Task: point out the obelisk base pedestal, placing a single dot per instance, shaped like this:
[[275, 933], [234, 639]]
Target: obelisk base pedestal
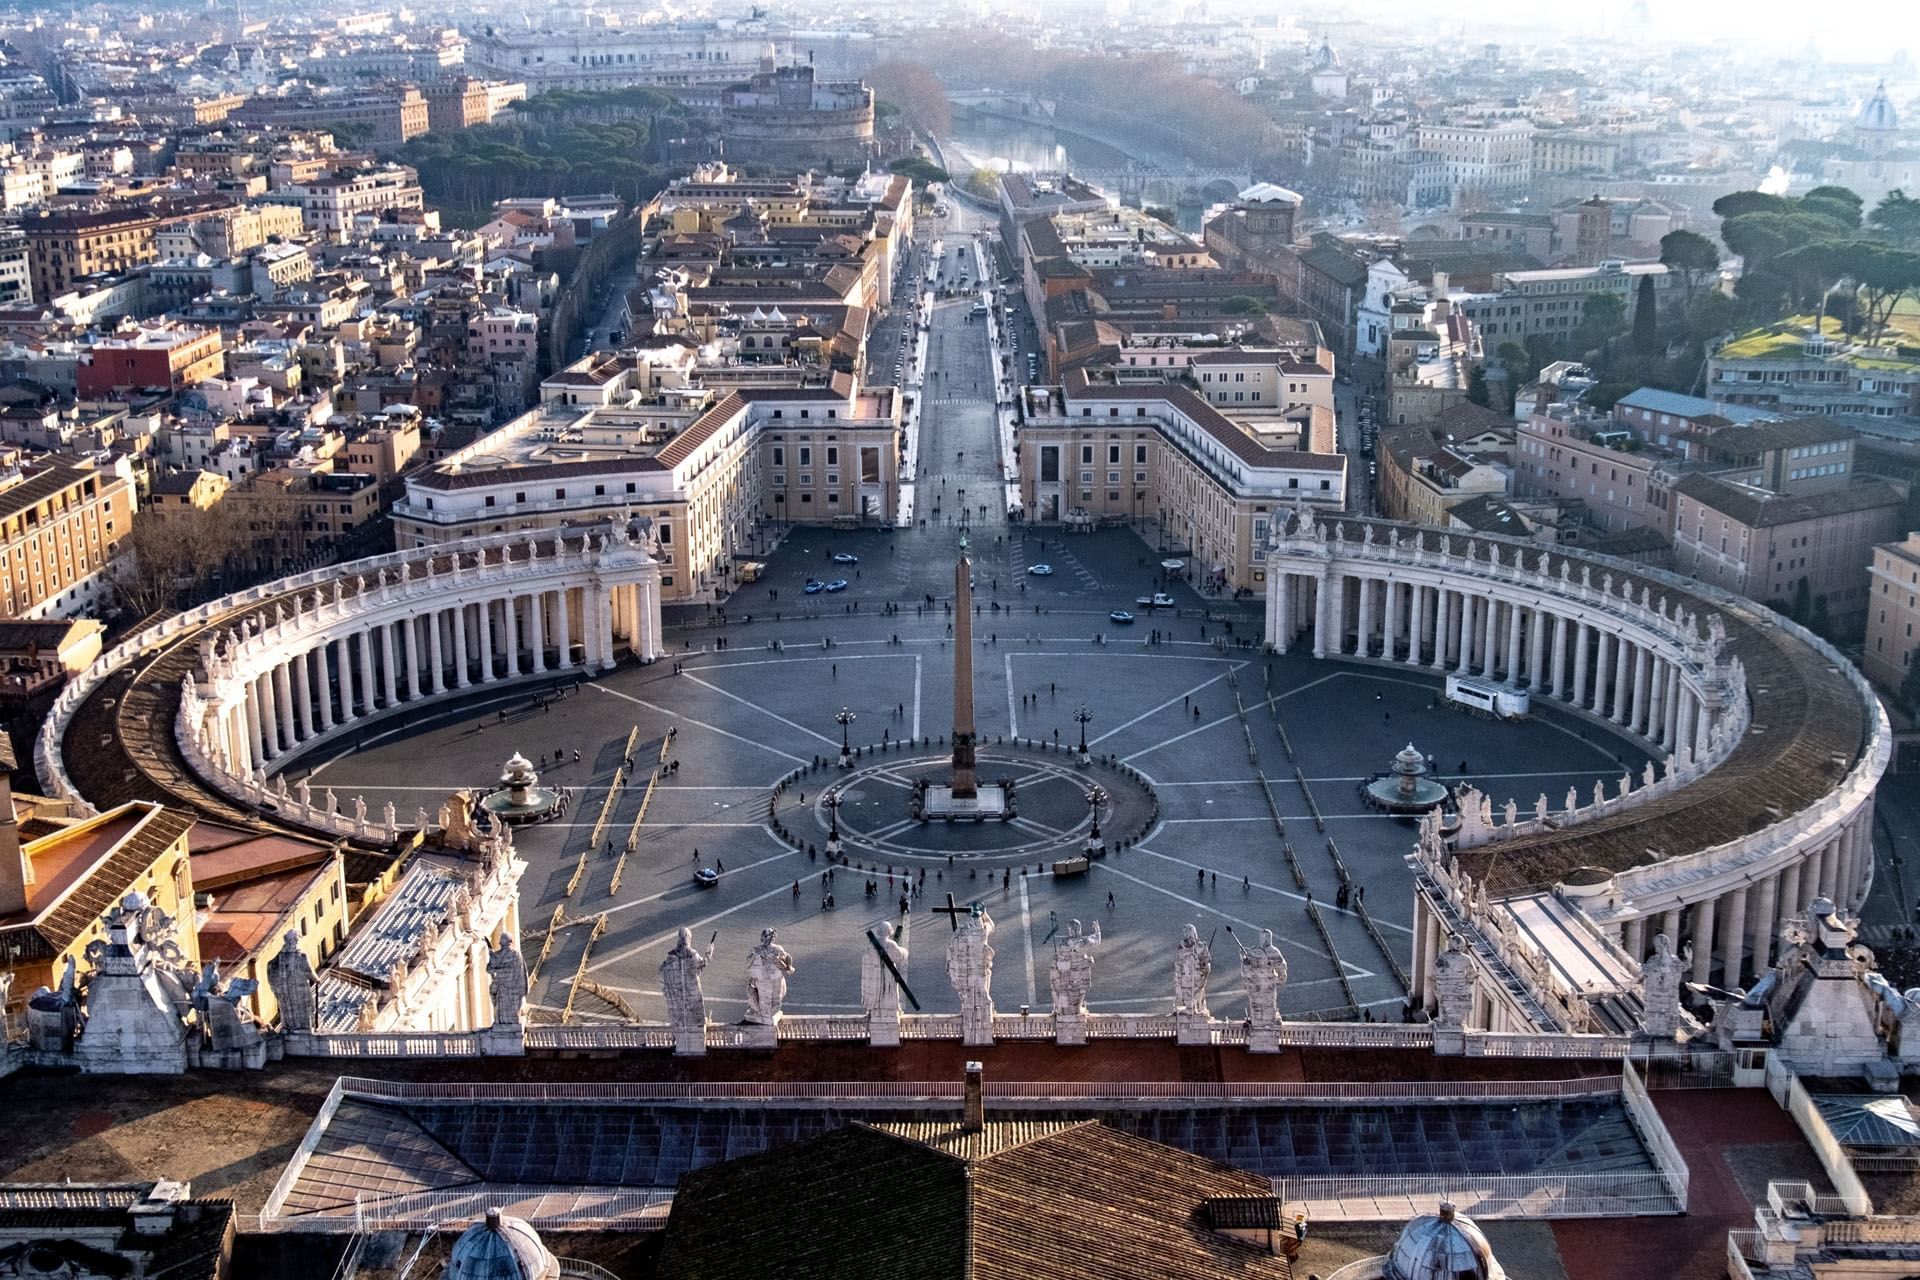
[[988, 801]]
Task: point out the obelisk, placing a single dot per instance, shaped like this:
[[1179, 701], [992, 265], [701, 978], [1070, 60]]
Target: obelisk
[[964, 782]]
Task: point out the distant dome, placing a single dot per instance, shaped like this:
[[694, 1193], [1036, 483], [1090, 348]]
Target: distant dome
[[1878, 115], [500, 1248], [1443, 1246], [1324, 58]]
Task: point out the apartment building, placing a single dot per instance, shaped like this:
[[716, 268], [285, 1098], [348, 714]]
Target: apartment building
[[59, 525], [65, 245], [1765, 545], [1481, 155], [1554, 301], [1557, 152], [1893, 610], [329, 204], [165, 357]]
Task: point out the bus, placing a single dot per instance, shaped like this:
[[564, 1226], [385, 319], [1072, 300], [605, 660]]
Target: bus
[[1487, 698]]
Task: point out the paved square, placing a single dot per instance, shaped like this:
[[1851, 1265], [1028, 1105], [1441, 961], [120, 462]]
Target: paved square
[[748, 714]]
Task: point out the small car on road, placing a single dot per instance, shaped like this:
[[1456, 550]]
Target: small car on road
[[838, 584], [1120, 615], [1040, 570], [843, 557]]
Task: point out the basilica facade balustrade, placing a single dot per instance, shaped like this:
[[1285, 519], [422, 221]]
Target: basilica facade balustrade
[[1768, 744], [267, 675]]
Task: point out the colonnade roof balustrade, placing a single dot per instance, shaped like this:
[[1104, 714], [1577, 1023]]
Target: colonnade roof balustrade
[[1816, 728], [112, 734]]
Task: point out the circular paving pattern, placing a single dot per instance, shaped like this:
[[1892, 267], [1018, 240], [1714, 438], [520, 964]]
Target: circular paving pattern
[[1052, 817]]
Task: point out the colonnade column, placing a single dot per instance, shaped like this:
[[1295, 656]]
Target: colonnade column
[[1490, 638], [386, 661], [1733, 938], [486, 642], [1280, 624], [1513, 643], [1537, 651], [1703, 941], [1560, 656], [283, 703], [1582, 638], [1622, 662], [1416, 624], [255, 737], [1442, 619], [460, 677], [325, 689], [1338, 619], [1634, 940], [1790, 903], [302, 676], [1468, 606], [510, 619], [1602, 677], [366, 669], [436, 656], [1763, 922], [563, 626], [1638, 719], [1391, 649], [1363, 643], [537, 608]]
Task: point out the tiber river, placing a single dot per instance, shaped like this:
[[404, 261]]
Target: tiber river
[[977, 141]]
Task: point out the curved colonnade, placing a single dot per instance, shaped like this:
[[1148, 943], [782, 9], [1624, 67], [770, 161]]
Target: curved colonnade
[[1770, 742], [208, 705]]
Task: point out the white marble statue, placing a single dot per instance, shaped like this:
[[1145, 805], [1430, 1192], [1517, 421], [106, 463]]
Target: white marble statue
[[507, 975], [1660, 978], [1192, 965], [767, 968], [290, 978], [1453, 984], [1072, 975], [1263, 968], [680, 982], [970, 965], [880, 990]]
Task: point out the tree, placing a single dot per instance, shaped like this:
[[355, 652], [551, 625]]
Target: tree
[[1835, 202], [1601, 319], [923, 172], [1690, 256], [917, 92], [984, 182], [1243, 304], [1519, 363], [1646, 330], [1169, 216], [1897, 216], [1477, 387]]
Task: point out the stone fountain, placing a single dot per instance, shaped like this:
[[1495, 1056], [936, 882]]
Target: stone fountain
[[520, 797], [1405, 787]]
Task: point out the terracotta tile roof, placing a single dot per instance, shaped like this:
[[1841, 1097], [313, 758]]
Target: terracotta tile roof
[[1083, 1202], [1216, 424]]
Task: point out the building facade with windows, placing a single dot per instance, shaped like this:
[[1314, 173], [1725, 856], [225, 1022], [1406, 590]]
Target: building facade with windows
[[1161, 455], [59, 525], [617, 434], [1893, 611]]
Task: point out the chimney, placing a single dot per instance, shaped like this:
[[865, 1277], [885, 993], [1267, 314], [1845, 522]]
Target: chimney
[[15, 872], [974, 1118]]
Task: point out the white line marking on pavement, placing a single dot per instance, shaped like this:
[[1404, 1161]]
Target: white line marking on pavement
[[1353, 970], [1326, 908], [1163, 706], [771, 715], [655, 707]]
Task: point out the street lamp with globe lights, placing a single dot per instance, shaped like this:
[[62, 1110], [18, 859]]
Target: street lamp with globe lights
[[1096, 796], [1082, 716], [845, 718], [832, 803]]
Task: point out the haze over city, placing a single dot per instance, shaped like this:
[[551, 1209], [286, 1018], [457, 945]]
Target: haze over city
[[1021, 641]]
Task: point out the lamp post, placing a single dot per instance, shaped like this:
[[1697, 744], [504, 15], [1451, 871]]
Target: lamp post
[[844, 718], [832, 803], [1082, 716], [1096, 796]]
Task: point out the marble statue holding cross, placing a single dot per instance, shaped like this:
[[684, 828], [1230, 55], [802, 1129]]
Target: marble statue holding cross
[[1192, 965], [879, 989]]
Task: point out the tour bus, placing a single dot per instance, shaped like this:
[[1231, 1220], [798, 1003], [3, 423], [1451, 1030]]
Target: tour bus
[[1501, 701]]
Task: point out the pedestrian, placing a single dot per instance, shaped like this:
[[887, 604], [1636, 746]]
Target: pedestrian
[[1109, 899], [719, 865], [1246, 884], [576, 755]]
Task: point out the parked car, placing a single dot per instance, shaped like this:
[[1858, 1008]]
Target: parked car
[[842, 557], [1158, 600], [814, 588], [838, 584], [1121, 616], [1040, 570]]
